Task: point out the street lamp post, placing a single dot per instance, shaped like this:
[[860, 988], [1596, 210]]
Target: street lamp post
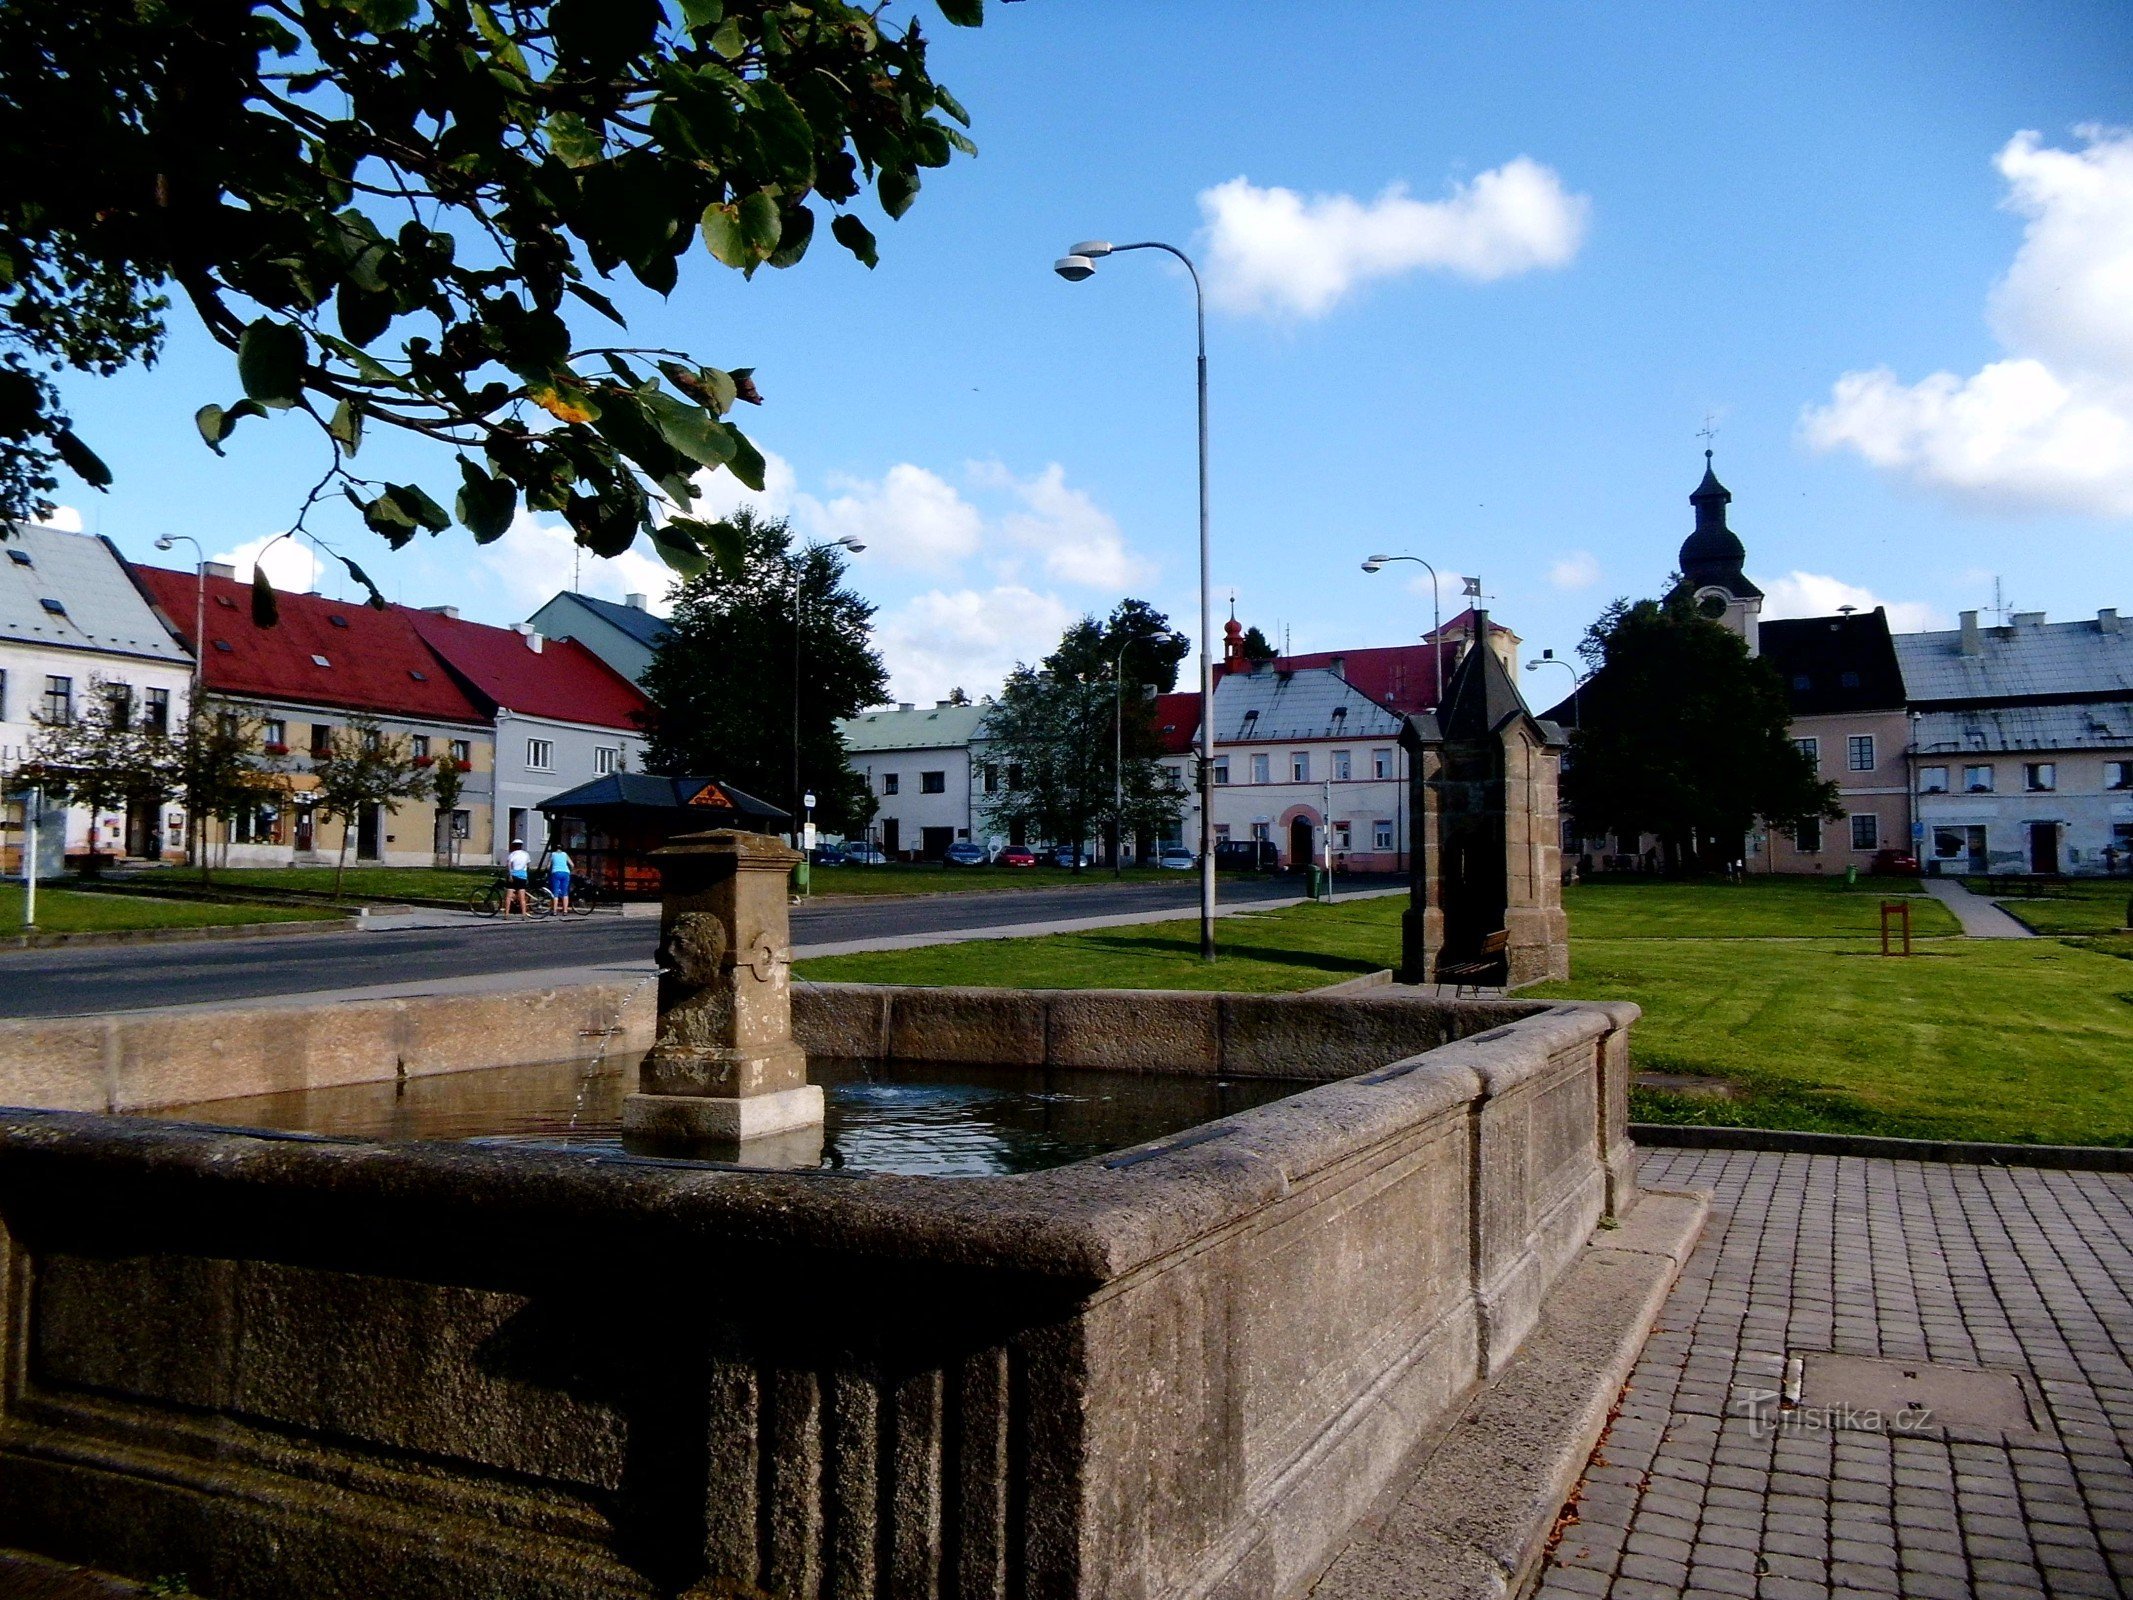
[[1118, 758], [1436, 615], [846, 543], [1548, 658], [1076, 266], [170, 541]]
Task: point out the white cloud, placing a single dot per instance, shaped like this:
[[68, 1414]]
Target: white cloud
[[536, 556], [1276, 251], [1077, 541], [64, 518], [1812, 594], [720, 494], [1578, 570], [968, 639], [291, 564], [2052, 424], [909, 518]]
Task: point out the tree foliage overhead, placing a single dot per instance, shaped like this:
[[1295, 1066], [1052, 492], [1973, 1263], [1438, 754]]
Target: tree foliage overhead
[[1685, 736], [721, 679], [393, 214]]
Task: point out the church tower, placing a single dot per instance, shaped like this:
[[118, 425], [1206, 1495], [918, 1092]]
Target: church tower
[[1711, 560]]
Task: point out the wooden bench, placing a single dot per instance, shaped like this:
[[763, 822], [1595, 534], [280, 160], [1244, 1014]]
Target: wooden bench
[[1488, 970]]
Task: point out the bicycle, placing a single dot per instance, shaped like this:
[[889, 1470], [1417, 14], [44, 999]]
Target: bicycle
[[489, 901]]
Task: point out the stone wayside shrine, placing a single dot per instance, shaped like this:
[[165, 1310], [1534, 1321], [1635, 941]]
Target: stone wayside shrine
[[1487, 845], [725, 1069]]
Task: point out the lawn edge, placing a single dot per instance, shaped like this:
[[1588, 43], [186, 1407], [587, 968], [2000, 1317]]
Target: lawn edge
[[1961, 1152]]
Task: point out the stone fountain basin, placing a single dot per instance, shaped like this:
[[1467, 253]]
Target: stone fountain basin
[[289, 1365]]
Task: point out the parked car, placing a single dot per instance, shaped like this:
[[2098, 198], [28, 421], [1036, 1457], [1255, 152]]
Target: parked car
[[1177, 858], [1247, 855], [828, 855], [1018, 855], [1065, 856], [964, 853], [1895, 863], [861, 854]]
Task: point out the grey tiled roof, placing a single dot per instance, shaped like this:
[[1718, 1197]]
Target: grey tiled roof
[[642, 626], [100, 606], [1303, 704], [2106, 725], [2025, 660], [921, 728]]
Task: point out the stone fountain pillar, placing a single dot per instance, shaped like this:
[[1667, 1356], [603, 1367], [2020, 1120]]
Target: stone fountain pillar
[[725, 1069]]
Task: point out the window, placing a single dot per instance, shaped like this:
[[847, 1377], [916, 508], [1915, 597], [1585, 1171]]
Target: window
[[372, 740], [321, 739], [540, 754], [607, 758], [1014, 777], [419, 745], [274, 731], [1342, 767], [1866, 831], [992, 778], [1810, 748], [1342, 836], [55, 607], [21, 558], [1977, 780], [1807, 837], [2038, 776], [1932, 780], [320, 661], [462, 824], [1300, 766], [463, 752], [2118, 774], [338, 621], [3, 697], [933, 783], [1381, 835], [1859, 752], [156, 719], [1381, 763], [1262, 830], [58, 700], [1262, 769], [891, 782], [1221, 769], [118, 704]]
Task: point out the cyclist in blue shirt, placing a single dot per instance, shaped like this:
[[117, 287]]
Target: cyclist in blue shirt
[[559, 878]]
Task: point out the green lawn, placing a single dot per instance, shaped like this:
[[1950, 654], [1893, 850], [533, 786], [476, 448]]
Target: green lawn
[[62, 911], [2095, 905], [362, 883], [1776, 987], [930, 877]]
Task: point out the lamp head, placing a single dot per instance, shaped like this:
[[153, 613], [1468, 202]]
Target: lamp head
[[1094, 249], [851, 544], [1374, 564], [166, 542], [1074, 269]]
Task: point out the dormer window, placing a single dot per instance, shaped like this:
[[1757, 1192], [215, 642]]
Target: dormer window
[[338, 622], [320, 661], [21, 558], [419, 677], [55, 607], [226, 602], [223, 645]]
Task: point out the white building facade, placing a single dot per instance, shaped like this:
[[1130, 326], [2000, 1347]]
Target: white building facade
[[926, 769]]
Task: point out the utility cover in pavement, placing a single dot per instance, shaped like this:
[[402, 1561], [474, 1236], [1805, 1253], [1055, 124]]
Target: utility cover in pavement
[[1923, 1395]]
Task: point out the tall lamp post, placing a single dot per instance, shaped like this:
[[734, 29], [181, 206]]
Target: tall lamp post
[[171, 541], [799, 563], [1436, 615], [1548, 658], [1076, 266]]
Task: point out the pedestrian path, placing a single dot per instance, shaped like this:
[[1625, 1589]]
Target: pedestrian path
[[1709, 1483], [1980, 918]]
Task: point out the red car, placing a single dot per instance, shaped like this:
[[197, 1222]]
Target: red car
[[1018, 855], [1895, 863]]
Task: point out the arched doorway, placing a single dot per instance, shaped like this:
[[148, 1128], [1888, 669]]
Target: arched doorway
[[1300, 832]]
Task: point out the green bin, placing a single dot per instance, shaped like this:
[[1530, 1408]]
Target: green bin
[[800, 876], [1318, 883], [1851, 876]]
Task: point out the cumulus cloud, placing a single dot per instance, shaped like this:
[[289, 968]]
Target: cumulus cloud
[[536, 555], [1578, 570], [64, 518], [1812, 594], [910, 517], [966, 638], [2052, 424], [291, 564], [1074, 539], [1278, 252], [720, 494]]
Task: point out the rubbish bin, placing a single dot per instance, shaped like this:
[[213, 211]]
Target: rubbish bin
[[1851, 876], [1318, 883], [800, 876]]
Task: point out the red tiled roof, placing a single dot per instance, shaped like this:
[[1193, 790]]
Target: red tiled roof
[[376, 662], [563, 679], [1177, 721], [1401, 676]]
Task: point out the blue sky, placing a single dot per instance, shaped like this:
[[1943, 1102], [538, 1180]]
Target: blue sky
[[1609, 224]]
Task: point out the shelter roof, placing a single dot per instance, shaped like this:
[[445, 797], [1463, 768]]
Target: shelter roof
[[655, 794], [322, 652], [98, 605], [500, 668]]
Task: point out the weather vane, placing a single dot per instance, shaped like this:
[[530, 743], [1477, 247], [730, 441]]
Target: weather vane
[[1708, 431]]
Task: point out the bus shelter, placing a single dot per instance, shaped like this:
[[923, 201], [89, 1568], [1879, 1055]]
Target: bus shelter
[[612, 825]]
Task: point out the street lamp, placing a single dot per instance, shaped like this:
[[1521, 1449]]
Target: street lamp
[[1548, 658], [171, 541], [1436, 616], [1077, 266], [846, 543]]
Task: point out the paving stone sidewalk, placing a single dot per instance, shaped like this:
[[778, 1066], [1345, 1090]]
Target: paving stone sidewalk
[[1693, 1492]]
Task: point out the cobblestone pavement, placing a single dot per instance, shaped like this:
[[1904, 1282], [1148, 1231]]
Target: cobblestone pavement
[[1696, 1491]]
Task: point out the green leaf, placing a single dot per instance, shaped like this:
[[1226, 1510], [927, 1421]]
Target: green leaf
[[418, 507], [722, 235], [500, 43], [376, 600], [788, 140], [964, 13], [368, 366], [796, 229], [266, 605], [270, 363], [363, 316], [707, 386], [215, 422], [691, 430], [728, 41], [759, 224], [575, 143], [950, 104], [697, 14], [485, 503], [855, 236], [679, 552], [347, 427], [747, 463], [598, 301], [897, 189], [728, 546], [84, 462]]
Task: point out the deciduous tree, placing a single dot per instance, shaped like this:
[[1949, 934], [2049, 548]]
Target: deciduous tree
[[104, 757], [363, 766]]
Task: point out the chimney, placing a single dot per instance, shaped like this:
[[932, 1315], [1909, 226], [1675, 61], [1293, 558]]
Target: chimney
[[531, 634], [1973, 642], [2107, 620], [906, 705], [218, 569], [2029, 619], [444, 611], [636, 602]]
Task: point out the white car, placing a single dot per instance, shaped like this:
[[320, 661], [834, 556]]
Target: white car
[[865, 855], [1176, 858]]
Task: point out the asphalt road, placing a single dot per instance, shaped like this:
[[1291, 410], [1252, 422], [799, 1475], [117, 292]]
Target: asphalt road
[[92, 978]]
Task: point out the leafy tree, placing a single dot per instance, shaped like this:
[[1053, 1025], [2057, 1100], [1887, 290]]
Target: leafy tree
[[722, 682], [1255, 646], [390, 211], [223, 768], [363, 766], [105, 758], [447, 783], [1685, 737], [1058, 731]]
